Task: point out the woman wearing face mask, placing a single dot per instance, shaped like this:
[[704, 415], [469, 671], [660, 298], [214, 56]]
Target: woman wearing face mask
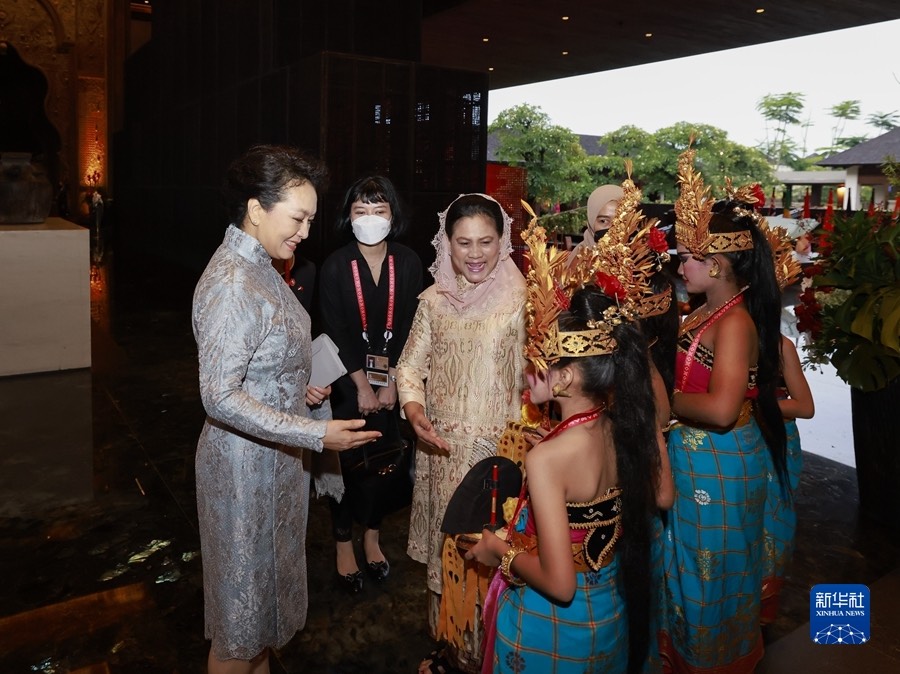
[[368, 293], [601, 207], [460, 377]]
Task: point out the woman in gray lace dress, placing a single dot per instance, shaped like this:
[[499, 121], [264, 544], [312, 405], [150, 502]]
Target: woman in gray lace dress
[[255, 453]]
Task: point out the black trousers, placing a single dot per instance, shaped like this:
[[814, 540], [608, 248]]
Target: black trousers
[[386, 421]]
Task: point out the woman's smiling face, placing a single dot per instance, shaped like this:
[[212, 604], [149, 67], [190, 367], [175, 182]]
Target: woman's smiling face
[[286, 224], [474, 247]]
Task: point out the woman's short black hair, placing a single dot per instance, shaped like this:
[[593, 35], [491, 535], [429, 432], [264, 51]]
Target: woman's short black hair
[[372, 190], [266, 172], [471, 205]]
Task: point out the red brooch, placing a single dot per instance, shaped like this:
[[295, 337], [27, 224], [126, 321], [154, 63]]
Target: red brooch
[[610, 285]]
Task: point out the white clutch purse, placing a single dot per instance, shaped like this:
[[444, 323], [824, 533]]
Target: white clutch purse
[[326, 364]]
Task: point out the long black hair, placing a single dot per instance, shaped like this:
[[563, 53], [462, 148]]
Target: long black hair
[[661, 332], [756, 269], [622, 381]]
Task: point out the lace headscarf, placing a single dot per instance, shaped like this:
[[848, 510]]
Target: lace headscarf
[[598, 199], [458, 291]]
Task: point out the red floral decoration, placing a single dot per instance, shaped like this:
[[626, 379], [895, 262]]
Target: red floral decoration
[[657, 240], [760, 196], [809, 313], [610, 285]]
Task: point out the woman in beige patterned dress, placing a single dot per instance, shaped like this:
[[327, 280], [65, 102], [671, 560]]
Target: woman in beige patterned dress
[[460, 378]]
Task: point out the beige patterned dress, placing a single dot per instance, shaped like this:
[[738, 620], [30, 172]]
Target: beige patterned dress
[[466, 369]]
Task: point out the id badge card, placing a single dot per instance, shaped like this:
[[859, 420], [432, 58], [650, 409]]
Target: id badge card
[[377, 370]]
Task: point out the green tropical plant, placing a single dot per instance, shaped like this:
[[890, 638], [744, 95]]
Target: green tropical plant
[[843, 112], [782, 111], [851, 309], [884, 121]]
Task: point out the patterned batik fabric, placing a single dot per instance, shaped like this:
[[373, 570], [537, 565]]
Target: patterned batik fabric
[[253, 458], [465, 367], [466, 370], [590, 634], [713, 550], [780, 523]]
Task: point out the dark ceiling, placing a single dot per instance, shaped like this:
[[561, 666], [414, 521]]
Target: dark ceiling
[[526, 38]]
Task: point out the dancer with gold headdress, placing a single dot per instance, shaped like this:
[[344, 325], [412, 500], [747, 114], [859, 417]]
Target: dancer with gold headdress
[[796, 402], [572, 592], [726, 372], [460, 378]]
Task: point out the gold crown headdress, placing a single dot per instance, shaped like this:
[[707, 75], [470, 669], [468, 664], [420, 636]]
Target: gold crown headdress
[[550, 283], [632, 251], [693, 211], [787, 267], [621, 265]]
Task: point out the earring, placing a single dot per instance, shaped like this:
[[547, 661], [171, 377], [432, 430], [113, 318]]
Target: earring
[[714, 270], [559, 392]]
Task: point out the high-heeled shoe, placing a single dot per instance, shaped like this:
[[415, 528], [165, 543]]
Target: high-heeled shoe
[[351, 582], [379, 570]]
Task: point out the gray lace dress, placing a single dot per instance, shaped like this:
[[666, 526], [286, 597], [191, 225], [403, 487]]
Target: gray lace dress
[[253, 458]]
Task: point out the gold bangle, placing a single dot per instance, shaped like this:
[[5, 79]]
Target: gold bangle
[[506, 562]]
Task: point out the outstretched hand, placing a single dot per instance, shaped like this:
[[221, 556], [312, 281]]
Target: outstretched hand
[[423, 427], [342, 434]]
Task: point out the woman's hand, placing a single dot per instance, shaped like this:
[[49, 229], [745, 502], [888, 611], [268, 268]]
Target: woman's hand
[[341, 434], [534, 435], [315, 395], [489, 550], [415, 414], [367, 400], [387, 396]]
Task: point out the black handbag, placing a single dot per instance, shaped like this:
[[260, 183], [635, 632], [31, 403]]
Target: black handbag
[[380, 482]]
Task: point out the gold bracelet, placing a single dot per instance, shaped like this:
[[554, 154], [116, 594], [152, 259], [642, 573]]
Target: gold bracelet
[[505, 563]]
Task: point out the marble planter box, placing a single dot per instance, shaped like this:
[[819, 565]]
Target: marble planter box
[[45, 302]]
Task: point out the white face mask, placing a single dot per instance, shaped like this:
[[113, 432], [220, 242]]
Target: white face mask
[[370, 229]]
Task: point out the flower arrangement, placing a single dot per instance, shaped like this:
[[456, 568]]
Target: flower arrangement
[[850, 304]]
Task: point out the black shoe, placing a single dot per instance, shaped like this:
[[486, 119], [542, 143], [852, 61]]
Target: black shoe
[[351, 582], [379, 570]]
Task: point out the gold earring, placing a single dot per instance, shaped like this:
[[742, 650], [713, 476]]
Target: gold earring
[[714, 270], [559, 392]]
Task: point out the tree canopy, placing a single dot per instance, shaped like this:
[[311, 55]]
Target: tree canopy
[[655, 158], [560, 171], [556, 163]]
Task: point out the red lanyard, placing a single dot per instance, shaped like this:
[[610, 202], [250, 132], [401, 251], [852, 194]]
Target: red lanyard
[[389, 323], [689, 359]]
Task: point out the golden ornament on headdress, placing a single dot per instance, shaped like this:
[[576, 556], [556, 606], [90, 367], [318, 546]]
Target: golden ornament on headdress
[[627, 254], [787, 267], [551, 282], [621, 264], [693, 211]]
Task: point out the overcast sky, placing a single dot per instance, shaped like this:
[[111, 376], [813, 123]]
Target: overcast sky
[[865, 68]]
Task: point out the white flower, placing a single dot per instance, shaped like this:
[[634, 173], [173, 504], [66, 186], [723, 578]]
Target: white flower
[[701, 496]]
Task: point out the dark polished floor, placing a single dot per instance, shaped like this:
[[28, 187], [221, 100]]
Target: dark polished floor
[[99, 550]]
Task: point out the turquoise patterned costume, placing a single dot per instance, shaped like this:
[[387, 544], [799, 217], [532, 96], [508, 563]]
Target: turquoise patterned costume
[[713, 542]]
